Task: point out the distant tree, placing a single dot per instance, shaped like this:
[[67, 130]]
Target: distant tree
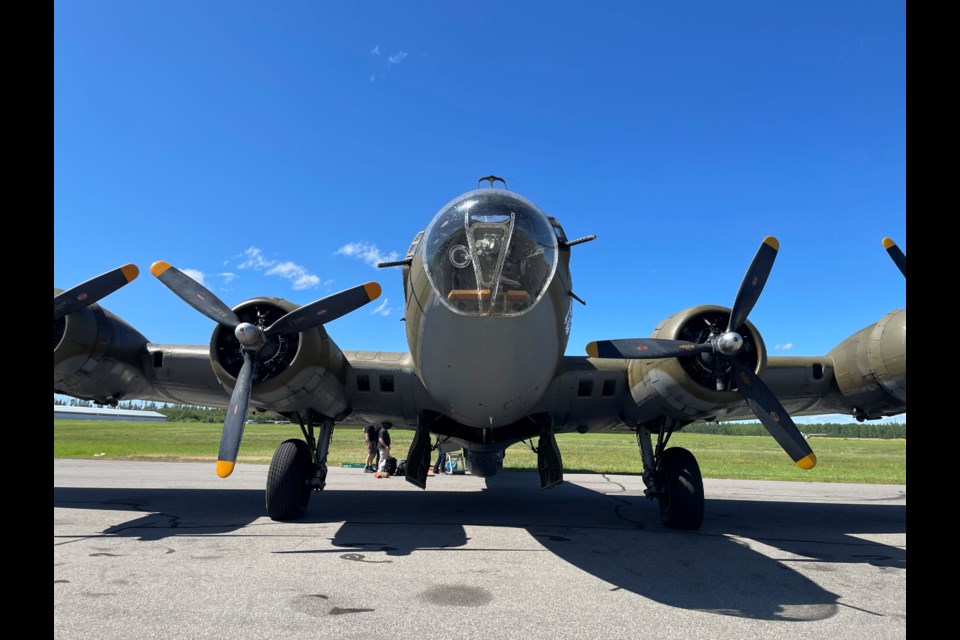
[[879, 430]]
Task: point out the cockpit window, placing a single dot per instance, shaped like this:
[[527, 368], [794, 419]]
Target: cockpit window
[[413, 245], [490, 252]]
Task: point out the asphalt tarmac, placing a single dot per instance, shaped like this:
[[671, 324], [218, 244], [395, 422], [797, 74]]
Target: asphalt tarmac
[[168, 550]]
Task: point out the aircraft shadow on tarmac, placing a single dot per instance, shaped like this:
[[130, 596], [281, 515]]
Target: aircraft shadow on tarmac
[[617, 538]]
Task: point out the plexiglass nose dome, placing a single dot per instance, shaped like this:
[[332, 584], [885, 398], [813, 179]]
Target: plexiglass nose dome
[[490, 252]]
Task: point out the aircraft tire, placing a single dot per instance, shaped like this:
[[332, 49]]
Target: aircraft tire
[[287, 491], [681, 505]]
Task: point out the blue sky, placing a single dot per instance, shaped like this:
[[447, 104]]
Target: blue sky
[[282, 148]]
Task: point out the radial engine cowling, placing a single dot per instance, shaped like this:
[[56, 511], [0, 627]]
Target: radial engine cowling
[[687, 388], [97, 356], [871, 368], [296, 371]]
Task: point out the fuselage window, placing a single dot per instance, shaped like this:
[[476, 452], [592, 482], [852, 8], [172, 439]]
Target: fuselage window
[[363, 382], [585, 388], [413, 246], [386, 384], [609, 388]]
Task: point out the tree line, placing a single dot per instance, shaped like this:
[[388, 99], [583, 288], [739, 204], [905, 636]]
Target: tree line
[[190, 413], [882, 430], [175, 412]]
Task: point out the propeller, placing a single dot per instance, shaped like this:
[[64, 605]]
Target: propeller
[[724, 348], [93, 290], [253, 338], [898, 258]]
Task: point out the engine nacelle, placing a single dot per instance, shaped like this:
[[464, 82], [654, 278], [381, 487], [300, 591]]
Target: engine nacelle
[[870, 368], [97, 356], [296, 371], [686, 388]]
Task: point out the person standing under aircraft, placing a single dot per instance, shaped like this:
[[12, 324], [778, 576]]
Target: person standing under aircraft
[[370, 436], [383, 445], [441, 460]]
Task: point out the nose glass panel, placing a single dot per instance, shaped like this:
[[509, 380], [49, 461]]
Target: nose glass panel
[[490, 253]]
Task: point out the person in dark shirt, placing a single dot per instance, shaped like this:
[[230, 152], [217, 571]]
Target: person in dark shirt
[[383, 446], [371, 435], [441, 459]]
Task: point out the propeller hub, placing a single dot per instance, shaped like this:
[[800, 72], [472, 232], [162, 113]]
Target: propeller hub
[[250, 336], [729, 343]]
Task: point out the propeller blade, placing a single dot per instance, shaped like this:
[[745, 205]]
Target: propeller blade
[[898, 258], [644, 348], [236, 416], [753, 282], [773, 416], [194, 294], [326, 309], [93, 290]]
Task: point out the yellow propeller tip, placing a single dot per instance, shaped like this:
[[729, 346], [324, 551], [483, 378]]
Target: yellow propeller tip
[[130, 272], [888, 243], [772, 242], [592, 350], [808, 462], [373, 290], [225, 468], [159, 267]]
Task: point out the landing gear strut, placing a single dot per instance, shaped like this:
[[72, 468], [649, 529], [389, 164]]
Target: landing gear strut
[[298, 468], [672, 476]]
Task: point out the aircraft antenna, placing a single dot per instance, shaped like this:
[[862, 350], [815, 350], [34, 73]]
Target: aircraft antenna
[[491, 180]]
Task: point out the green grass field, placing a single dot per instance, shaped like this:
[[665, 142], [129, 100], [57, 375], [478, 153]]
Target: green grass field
[[732, 457]]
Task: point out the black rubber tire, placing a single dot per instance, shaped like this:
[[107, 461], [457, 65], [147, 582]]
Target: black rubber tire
[[681, 505], [287, 490]]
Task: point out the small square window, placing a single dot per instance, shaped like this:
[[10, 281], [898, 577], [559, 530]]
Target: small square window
[[585, 388], [609, 388], [386, 384], [363, 382]]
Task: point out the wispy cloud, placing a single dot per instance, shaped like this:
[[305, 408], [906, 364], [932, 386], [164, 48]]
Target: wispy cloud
[[254, 259], [227, 277], [785, 346], [195, 274], [375, 51], [299, 276], [295, 273], [383, 309], [367, 252], [397, 58]]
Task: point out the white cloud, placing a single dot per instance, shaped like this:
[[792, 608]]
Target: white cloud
[[196, 275], [298, 275], [254, 260], [397, 58], [227, 277], [785, 346], [375, 51], [367, 252], [383, 309]]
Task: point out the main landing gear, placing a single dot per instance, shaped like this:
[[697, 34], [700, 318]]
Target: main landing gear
[[298, 468], [672, 476]]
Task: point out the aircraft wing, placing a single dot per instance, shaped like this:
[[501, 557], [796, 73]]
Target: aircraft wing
[[603, 395]]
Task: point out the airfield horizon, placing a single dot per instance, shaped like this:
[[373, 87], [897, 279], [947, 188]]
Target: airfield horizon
[[733, 457]]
